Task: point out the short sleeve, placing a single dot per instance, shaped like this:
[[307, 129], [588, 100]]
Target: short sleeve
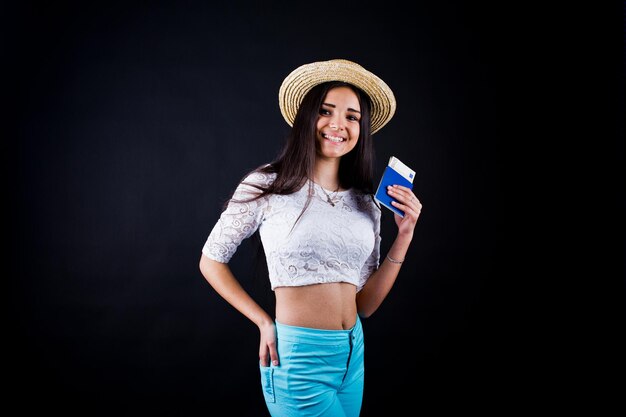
[[239, 220], [373, 260]]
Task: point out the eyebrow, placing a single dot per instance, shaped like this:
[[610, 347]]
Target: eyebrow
[[333, 106]]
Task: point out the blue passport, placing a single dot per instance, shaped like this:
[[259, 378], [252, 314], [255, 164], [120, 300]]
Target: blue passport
[[396, 173]]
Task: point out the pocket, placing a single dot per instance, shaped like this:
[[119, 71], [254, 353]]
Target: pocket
[[267, 383]]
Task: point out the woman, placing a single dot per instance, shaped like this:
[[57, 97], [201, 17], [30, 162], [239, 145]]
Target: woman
[[320, 228]]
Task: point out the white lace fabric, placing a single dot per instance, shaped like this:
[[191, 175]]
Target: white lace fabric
[[339, 243]]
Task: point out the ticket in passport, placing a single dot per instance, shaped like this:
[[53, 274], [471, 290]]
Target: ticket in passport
[[396, 173]]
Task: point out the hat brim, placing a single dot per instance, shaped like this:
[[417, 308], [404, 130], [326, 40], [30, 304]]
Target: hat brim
[[301, 80]]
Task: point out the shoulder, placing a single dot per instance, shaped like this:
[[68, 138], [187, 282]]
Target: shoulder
[[255, 183], [260, 177]]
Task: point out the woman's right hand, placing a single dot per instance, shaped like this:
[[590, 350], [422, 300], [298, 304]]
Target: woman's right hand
[[267, 350]]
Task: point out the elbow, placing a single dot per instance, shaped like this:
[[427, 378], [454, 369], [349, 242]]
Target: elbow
[[363, 309], [364, 314], [203, 264], [207, 267], [365, 304]]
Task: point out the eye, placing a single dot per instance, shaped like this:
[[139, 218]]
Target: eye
[[353, 118], [324, 112]]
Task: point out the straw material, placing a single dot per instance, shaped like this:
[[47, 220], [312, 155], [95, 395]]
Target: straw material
[[305, 77]]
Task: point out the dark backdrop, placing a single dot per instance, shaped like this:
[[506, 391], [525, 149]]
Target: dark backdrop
[[130, 126]]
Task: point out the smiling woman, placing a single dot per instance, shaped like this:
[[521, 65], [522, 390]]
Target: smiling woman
[[338, 125], [319, 224]]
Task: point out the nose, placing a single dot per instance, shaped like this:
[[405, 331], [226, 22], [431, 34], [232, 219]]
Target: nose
[[335, 123]]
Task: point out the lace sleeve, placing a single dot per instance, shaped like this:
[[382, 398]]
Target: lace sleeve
[[238, 221], [372, 262]]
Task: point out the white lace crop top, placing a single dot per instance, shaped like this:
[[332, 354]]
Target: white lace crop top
[[339, 243]]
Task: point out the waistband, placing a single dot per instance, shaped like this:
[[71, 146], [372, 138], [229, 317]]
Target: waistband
[[316, 336]]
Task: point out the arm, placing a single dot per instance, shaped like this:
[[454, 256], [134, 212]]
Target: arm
[[238, 221], [378, 285], [220, 277], [380, 282]]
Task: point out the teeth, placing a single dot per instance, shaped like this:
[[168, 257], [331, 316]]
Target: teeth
[[334, 138]]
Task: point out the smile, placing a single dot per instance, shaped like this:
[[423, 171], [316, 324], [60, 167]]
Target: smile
[[332, 138]]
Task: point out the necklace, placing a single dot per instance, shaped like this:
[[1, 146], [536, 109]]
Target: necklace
[[330, 200]]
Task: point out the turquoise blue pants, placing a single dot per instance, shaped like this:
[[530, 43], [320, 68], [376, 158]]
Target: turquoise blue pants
[[320, 372]]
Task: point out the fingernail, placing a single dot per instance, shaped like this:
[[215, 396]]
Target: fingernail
[[275, 362]]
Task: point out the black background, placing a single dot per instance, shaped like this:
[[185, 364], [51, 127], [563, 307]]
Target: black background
[[131, 124]]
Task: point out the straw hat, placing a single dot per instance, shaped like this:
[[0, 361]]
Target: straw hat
[[305, 77]]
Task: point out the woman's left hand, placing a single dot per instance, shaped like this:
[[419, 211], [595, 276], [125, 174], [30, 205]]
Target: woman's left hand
[[409, 204]]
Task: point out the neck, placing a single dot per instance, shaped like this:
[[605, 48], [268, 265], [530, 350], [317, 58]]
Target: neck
[[326, 173]]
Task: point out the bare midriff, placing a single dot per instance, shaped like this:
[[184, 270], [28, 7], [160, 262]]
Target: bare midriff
[[329, 306]]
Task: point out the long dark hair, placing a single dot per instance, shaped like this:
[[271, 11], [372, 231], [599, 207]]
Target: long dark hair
[[296, 161]]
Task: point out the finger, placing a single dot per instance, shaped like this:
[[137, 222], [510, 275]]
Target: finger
[[403, 188], [274, 354], [415, 205], [396, 193], [405, 197], [413, 201], [263, 355], [408, 210]]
